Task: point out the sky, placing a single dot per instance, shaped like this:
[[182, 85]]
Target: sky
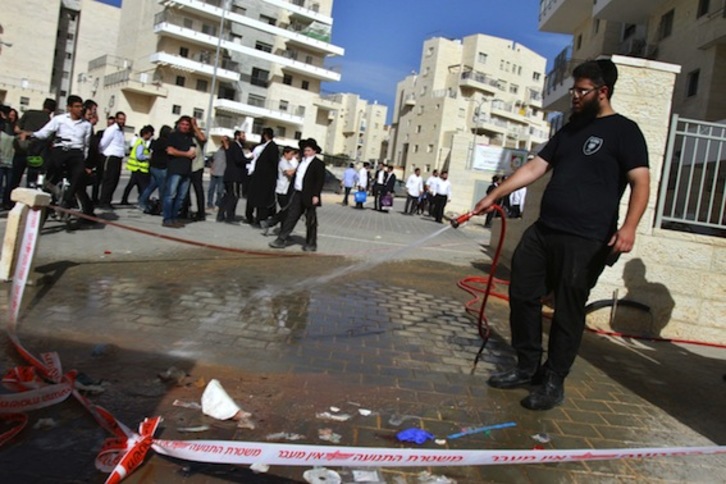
[[383, 39]]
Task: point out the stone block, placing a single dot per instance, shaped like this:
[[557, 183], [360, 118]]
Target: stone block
[[30, 197]]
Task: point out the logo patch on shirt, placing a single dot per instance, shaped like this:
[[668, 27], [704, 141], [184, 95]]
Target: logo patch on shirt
[[592, 145]]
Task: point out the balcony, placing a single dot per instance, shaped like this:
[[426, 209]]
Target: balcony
[[110, 60], [171, 25], [410, 100], [563, 16], [712, 30], [479, 81], [138, 83], [304, 9], [197, 67], [558, 81], [210, 9], [263, 109], [490, 126], [626, 11], [519, 114], [637, 47], [534, 97]]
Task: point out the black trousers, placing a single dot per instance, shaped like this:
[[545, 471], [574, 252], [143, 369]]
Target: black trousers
[[138, 180], [377, 191], [283, 200], [411, 204], [197, 184], [550, 261], [439, 206], [228, 205], [111, 174], [296, 210], [347, 194], [71, 164]]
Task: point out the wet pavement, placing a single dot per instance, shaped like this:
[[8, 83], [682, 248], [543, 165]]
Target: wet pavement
[[364, 323]]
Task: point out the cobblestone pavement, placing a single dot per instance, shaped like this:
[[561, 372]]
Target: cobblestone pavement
[[366, 322]]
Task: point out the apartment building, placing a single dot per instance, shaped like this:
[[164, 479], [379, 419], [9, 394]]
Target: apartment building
[[242, 64], [689, 33], [46, 44], [357, 129], [472, 96]]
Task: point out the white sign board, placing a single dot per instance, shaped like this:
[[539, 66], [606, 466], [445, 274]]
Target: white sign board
[[498, 159]]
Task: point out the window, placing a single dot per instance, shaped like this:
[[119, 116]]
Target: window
[[180, 81], [418, 128], [69, 55], [595, 27], [202, 85], [176, 109], [702, 8], [255, 100], [184, 51], [188, 23], [198, 113], [309, 59], [429, 51], [263, 46], [305, 85], [24, 101], [628, 31], [665, 29], [239, 10], [501, 65], [536, 76], [482, 58], [284, 105], [70, 36], [430, 149], [692, 83], [259, 77], [268, 20], [513, 88], [209, 29], [287, 79], [415, 148], [579, 42], [462, 112], [298, 135], [281, 131]]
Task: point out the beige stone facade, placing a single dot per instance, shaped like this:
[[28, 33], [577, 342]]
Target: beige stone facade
[[51, 43], [678, 275], [479, 90], [357, 128], [689, 33]]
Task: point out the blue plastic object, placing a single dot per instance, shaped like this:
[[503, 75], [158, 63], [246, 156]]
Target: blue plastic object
[[415, 435], [360, 197]]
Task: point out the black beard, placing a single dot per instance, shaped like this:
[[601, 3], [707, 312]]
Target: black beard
[[589, 112]]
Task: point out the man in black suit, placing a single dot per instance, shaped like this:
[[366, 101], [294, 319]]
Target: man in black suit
[[263, 179], [307, 187], [389, 186], [233, 176]]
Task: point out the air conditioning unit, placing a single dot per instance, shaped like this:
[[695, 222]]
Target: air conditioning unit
[[144, 78]]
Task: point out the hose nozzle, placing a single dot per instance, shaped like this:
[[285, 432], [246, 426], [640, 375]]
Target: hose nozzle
[[461, 219]]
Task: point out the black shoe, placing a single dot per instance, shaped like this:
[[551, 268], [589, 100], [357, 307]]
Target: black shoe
[[310, 248], [547, 396], [277, 244], [510, 379]]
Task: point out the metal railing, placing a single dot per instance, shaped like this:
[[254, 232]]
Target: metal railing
[[693, 189]]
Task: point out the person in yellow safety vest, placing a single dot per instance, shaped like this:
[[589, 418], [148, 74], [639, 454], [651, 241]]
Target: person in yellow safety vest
[[138, 164]]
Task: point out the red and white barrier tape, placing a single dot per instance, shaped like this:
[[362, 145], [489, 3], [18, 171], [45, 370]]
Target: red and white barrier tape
[[44, 384]]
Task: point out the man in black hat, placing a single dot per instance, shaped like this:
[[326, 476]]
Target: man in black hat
[[307, 187]]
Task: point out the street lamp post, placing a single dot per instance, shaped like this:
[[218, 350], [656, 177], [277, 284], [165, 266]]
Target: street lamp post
[[208, 122]]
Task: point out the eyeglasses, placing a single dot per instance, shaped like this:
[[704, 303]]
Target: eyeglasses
[[580, 92]]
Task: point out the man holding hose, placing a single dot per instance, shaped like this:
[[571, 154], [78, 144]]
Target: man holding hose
[[592, 159]]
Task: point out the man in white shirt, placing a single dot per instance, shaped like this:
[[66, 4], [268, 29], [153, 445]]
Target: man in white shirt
[[113, 147], [414, 189], [516, 202], [285, 171], [443, 195], [431, 184], [72, 137], [362, 182]]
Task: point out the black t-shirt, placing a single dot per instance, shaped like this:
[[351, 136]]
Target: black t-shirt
[[179, 165], [159, 158], [589, 175]]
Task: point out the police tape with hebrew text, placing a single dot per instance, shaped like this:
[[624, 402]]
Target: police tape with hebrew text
[[44, 384]]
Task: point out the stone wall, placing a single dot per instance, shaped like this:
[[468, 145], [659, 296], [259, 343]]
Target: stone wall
[[682, 277]]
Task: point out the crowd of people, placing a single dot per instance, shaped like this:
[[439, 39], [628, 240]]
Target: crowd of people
[[279, 189], [422, 197]]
